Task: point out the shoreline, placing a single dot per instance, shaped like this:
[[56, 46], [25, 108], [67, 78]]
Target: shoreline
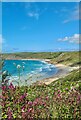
[[45, 60], [61, 73], [63, 70]]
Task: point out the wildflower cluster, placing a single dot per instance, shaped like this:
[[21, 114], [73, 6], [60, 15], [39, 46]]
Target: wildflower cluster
[[68, 103], [16, 104]]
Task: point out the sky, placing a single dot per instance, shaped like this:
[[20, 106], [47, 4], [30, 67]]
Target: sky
[[40, 26], [0, 17], [40, 0]]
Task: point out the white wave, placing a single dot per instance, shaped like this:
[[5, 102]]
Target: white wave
[[49, 64], [14, 78], [49, 69], [44, 61], [46, 66], [52, 66], [32, 71], [23, 62], [40, 69]]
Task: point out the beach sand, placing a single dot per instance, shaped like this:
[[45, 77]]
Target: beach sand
[[63, 70]]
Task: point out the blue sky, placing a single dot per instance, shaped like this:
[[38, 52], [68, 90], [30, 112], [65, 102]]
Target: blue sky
[[44, 26]]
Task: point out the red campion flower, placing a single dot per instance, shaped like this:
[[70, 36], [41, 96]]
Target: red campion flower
[[9, 113], [11, 86], [4, 88]]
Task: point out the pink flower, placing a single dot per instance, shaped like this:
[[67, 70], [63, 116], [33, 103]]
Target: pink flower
[[47, 98], [23, 114], [22, 109], [59, 91], [55, 93], [29, 110], [78, 99], [58, 95], [1, 96], [3, 87], [30, 103], [3, 92], [11, 86], [35, 103], [23, 96], [9, 113], [66, 88]]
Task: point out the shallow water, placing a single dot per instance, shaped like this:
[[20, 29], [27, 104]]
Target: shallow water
[[30, 71]]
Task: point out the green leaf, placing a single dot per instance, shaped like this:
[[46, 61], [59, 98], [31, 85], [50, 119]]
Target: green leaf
[[5, 116], [14, 115]]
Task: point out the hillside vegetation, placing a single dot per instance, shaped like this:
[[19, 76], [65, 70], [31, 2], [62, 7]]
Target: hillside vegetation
[[59, 100], [70, 58]]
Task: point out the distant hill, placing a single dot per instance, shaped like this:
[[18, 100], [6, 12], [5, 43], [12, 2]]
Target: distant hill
[[70, 58]]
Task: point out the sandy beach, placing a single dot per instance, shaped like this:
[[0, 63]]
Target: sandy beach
[[63, 70]]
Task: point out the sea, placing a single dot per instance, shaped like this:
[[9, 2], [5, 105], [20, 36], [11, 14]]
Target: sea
[[26, 72]]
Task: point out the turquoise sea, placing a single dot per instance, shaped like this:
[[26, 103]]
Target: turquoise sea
[[28, 71]]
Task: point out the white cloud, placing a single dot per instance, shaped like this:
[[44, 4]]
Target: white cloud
[[33, 9], [73, 15], [33, 14], [76, 38]]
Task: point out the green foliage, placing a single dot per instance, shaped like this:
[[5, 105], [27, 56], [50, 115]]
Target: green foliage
[[1, 64], [31, 55]]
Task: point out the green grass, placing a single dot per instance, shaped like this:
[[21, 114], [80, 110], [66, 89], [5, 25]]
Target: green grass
[[39, 55], [70, 58]]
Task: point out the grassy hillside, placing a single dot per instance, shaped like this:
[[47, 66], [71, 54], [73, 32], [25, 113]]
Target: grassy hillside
[[70, 58], [39, 55]]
